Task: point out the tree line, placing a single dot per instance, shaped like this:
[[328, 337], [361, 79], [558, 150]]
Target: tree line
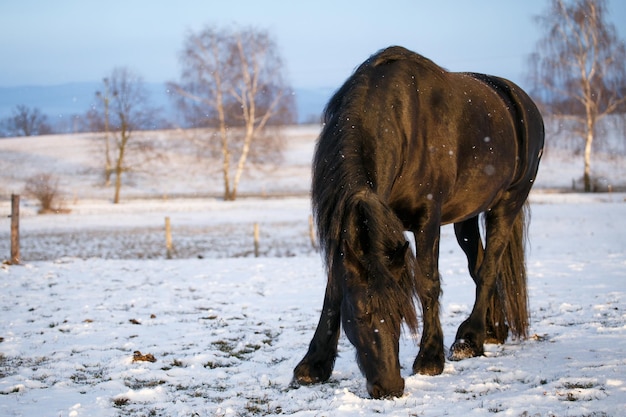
[[232, 83]]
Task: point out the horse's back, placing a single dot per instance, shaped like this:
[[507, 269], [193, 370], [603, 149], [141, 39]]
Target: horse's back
[[410, 130]]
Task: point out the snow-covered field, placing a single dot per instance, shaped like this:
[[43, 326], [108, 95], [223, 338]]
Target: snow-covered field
[[225, 329]]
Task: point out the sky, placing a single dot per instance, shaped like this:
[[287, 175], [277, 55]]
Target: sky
[[321, 42]]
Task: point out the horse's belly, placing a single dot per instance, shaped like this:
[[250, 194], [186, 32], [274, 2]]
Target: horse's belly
[[467, 204]]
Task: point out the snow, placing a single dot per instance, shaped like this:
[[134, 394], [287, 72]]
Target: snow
[[226, 328]]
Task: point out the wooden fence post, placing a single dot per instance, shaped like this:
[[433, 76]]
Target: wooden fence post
[[15, 229], [256, 240], [168, 238], [312, 233]]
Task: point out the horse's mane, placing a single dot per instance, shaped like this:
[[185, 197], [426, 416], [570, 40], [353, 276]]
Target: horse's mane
[[345, 206], [338, 165], [345, 94], [376, 234]]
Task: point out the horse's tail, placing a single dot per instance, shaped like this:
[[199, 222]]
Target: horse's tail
[[511, 284]]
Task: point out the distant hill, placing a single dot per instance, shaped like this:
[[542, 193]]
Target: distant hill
[[62, 101]]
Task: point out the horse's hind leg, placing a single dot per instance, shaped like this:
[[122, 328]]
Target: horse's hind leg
[[317, 364], [471, 334], [468, 236]]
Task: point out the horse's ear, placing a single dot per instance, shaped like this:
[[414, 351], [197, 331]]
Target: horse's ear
[[397, 259]]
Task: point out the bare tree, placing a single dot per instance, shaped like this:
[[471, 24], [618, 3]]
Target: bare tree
[[232, 81], [25, 121], [579, 69], [126, 109], [105, 97]]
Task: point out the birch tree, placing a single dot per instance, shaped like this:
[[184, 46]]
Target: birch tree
[[232, 81], [579, 69]]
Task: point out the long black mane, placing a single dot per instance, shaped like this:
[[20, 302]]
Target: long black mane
[[336, 180], [341, 184]]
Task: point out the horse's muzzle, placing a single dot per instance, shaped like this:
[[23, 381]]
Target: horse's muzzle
[[378, 390]]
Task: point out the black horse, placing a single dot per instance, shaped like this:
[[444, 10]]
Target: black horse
[[408, 146]]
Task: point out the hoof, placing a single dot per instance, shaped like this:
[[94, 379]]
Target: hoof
[[377, 391], [430, 369], [305, 374], [463, 349], [429, 366], [299, 380]]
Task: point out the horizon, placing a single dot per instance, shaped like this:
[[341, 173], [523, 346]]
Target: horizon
[[61, 103]]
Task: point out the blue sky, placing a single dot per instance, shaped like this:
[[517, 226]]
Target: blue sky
[[46, 42]]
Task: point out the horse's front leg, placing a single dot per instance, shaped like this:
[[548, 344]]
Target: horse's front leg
[[317, 364], [431, 358]]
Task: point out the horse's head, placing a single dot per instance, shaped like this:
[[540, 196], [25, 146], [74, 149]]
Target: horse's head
[[375, 302]]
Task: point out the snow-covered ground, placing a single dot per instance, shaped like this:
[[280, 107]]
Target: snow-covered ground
[[174, 167], [226, 329]]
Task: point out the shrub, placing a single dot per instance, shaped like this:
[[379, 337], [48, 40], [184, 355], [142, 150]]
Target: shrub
[[45, 189]]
